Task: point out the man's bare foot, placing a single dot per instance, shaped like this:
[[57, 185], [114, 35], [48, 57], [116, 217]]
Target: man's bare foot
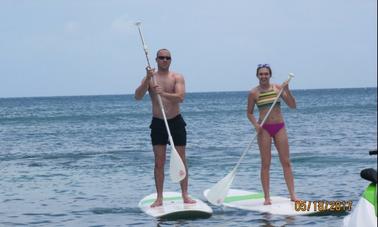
[[267, 202], [189, 200], [158, 202]]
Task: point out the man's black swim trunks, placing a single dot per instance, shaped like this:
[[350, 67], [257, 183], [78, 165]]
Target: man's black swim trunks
[[159, 135]]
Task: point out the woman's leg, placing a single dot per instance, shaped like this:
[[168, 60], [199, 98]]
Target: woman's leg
[[282, 145], [265, 146]]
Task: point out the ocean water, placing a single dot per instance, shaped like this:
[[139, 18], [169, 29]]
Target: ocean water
[[87, 161]]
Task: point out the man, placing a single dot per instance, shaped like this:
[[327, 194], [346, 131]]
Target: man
[[171, 87]]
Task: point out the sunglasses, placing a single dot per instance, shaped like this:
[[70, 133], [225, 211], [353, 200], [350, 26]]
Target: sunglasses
[[263, 65], [164, 58]]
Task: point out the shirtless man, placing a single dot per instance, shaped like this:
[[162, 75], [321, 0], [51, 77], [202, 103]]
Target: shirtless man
[[171, 87]]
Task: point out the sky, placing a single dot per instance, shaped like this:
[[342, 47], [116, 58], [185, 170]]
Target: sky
[[92, 47]]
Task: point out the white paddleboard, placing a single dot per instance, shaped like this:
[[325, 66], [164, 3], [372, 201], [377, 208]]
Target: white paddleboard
[[174, 208], [254, 201]]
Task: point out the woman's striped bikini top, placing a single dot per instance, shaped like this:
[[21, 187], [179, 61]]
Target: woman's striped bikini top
[[267, 98]]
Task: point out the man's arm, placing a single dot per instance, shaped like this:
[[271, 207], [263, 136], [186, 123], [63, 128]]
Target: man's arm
[[179, 94], [145, 85]]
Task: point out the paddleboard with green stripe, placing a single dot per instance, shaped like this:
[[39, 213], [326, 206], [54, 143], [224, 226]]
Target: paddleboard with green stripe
[[254, 201], [174, 208]]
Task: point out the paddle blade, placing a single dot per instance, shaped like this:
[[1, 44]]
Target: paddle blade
[[218, 192], [176, 167]]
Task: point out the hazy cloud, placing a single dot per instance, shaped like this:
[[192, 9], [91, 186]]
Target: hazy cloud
[[71, 27], [123, 24]]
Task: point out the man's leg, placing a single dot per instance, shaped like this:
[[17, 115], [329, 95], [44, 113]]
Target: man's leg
[[159, 153], [184, 182]]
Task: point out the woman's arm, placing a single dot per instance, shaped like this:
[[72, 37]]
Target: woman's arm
[[287, 96], [250, 108]]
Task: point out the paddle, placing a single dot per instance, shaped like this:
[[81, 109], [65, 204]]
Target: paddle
[[176, 166], [218, 192]]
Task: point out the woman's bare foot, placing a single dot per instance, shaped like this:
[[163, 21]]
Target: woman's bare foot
[[189, 200], [158, 202], [294, 198]]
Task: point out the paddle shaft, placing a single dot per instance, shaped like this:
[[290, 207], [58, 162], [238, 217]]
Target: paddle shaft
[[154, 81]]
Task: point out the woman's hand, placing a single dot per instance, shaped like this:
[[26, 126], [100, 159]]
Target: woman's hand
[[285, 86], [258, 129]]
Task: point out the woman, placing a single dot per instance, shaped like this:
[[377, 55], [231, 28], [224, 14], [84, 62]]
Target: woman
[[273, 129]]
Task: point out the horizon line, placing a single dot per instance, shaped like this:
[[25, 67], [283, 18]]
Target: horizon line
[[192, 92]]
